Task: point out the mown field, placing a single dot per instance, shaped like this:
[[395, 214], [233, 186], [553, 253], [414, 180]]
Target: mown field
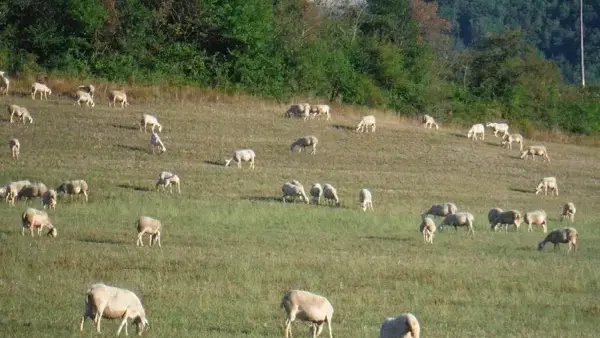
[[230, 248]]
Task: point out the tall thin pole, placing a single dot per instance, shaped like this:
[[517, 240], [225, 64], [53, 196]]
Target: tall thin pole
[[581, 40]]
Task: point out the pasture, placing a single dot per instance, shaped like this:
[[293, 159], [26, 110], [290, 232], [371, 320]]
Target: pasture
[[230, 248]]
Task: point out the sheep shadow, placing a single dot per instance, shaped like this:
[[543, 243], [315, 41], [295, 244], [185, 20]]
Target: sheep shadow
[[521, 190], [134, 187], [101, 241], [262, 198], [120, 126], [342, 127], [381, 238], [214, 163], [132, 148]]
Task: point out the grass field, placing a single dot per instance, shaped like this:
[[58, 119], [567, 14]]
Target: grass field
[[230, 248]]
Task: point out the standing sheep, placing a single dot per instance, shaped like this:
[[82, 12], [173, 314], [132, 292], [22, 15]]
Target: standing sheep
[[168, 179], [316, 191], [442, 210], [476, 129], [568, 212], [242, 155], [492, 214], [49, 199], [365, 123], [429, 121], [148, 119], [507, 218], [33, 218], [75, 187], [366, 200], [4, 83], [561, 235], [547, 183], [427, 228], [301, 110], [155, 142], [508, 140], [309, 307], [498, 127], [305, 141], [90, 89], [150, 226], [320, 110], [534, 151], [537, 217], [459, 219], [405, 325], [330, 194], [21, 112], [14, 146], [12, 190], [294, 189], [42, 88], [117, 95], [32, 190], [85, 97]]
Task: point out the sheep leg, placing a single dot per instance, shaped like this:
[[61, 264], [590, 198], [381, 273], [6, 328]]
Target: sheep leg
[[123, 323], [158, 240], [139, 241]]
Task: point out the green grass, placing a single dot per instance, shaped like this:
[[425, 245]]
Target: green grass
[[230, 249]]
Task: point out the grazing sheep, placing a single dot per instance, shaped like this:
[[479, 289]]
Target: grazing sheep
[[308, 307], [90, 89], [547, 183], [242, 155], [294, 189], [442, 210], [568, 211], [4, 83], [49, 199], [75, 187], [561, 235], [150, 226], [366, 200], [330, 194], [305, 141], [117, 95], [85, 97], [428, 228], [168, 179], [148, 119], [320, 110], [508, 140], [492, 214], [35, 189], [459, 219], [21, 112], [536, 151], [301, 110], [14, 146], [476, 129], [12, 190], [33, 218], [42, 88], [155, 142], [537, 217], [507, 218], [429, 121], [103, 301], [405, 325], [365, 123], [498, 127], [316, 191]]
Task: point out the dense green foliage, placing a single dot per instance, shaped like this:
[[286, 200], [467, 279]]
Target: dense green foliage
[[389, 54]]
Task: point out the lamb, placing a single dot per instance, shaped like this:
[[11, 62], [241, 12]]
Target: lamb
[[459, 219], [319, 110], [507, 218], [535, 151], [306, 306], [4, 83], [429, 121], [49, 199], [21, 113], [492, 214], [299, 110], [13, 188], [306, 141], [150, 226], [365, 123], [32, 190], [561, 235], [366, 200], [476, 129], [428, 228], [14, 146], [103, 301], [568, 211], [155, 142], [405, 325], [148, 119], [42, 88], [242, 155], [168, 179], [442, 210], [117, 95], [294, 189], [33, 218], [85, 97], [508, 139], [316, 191], [75, 187], [90, 89], [537, 217], [330, 194], [547, 183], [498, 127]]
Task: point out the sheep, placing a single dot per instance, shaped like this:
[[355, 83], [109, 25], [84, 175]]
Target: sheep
[[365, 123], [568, 212], [319, 110], [294, 189], [242, 155], [150, 226], [35, 189], [306, 306], [90, 89], [476, 129], [21, 113], [547, 183], [429, 121], [537, 217], [442, 210], [85, 97], [330, 194], [168, 179], [366, 200], [428, 228], [535, 151], [117, 95], [42, 88], [4, 83], [305, 141], [33, 218], [75, 187], [148, 119], [508, 139], [48, 199], [459, 219], [299, 110], [103, 301], [13, 188], [405, 325], [316, 191], [14, 146], [155, 142], [498, 127], [492, 214], [507, 218], [561, 235]]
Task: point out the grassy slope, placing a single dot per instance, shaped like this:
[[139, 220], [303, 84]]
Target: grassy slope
[[230, 249]]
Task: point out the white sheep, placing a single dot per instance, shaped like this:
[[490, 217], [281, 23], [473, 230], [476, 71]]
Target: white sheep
[[151, 120], [498, 127], [103, 301], [476, 129], [316, 191], [561, 235], [12, 190], [459, 219], [429, 121], [305, 141], [33, 218], [442, 210], [507, 218], [405, 325], [150, 226], [85, 97], [48, 199], [366, 200], [320, 110], [42, 88], [155, 142], [4, 83], [508, 140], [117, 95], [21, 112], [74, 187], [365, 123], [330, 194], [32, 190], [300, 110], [242, 155], [294, 189], [15, 147], [90, 89], [537, 217], [168, 179], [568, 211], [309, 307], [427, 228], [547, 183], [535, 151]]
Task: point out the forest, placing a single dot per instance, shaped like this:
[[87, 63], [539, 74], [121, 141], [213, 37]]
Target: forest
[[460, 60]]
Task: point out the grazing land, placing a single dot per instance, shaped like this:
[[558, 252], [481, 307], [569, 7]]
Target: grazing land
[[230, 248]]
